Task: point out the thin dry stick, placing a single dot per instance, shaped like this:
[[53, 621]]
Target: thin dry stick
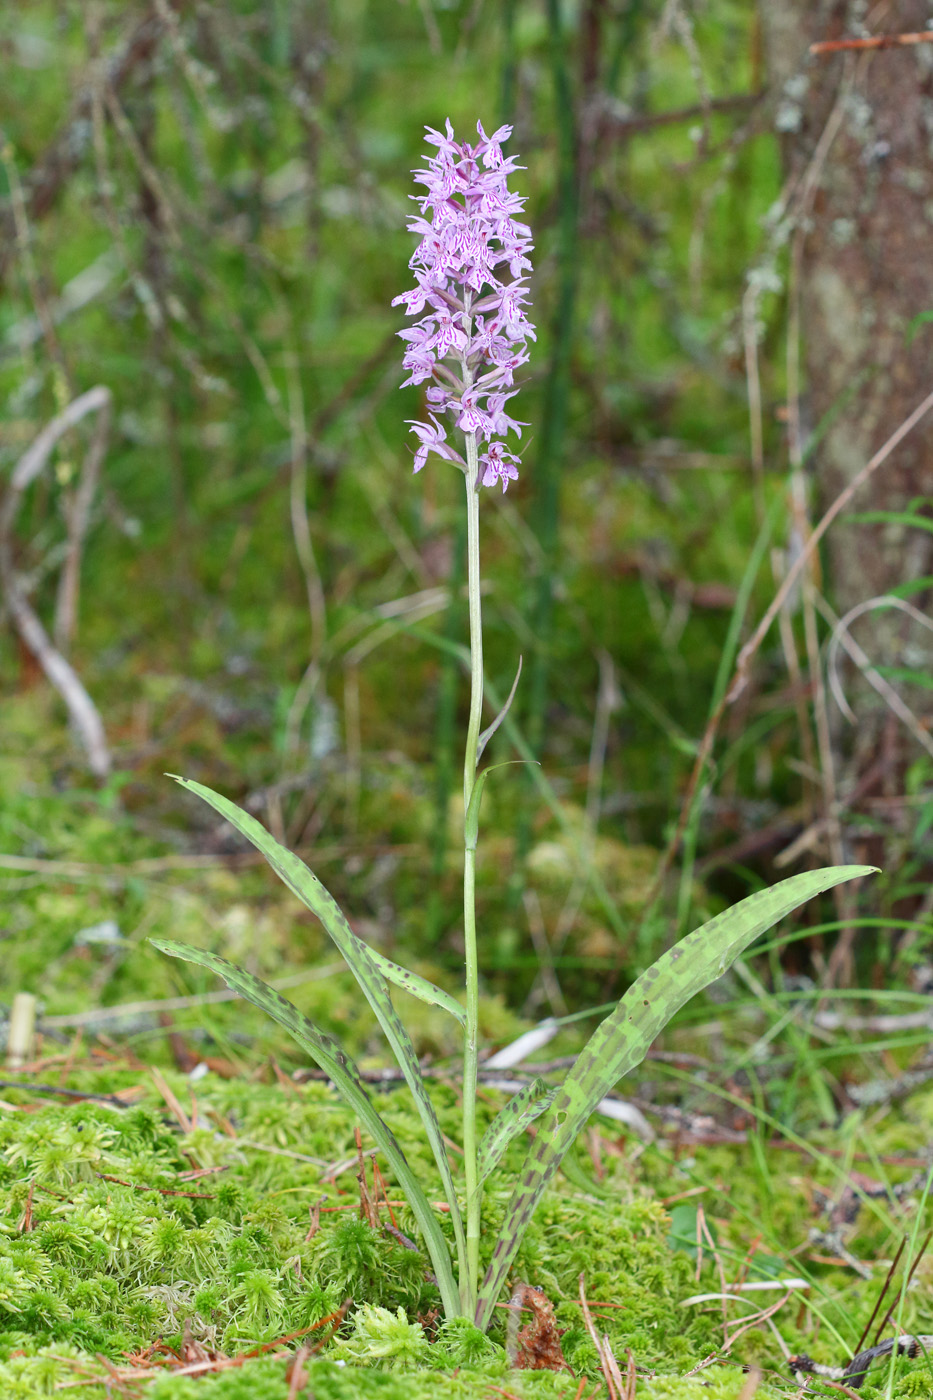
[[881, 1296], [546, 979], [675, 20], [608, 1363], [919, 1255], [842, 637], [840, 960], [297, 1376], [147, 170], [803, 194], [631, 1376], [23, 244], [703, 1231], [192, 70], [168, 1095], [877, 41], [795, 199], [839, 504], [761, 1316], [78, 516], [61, 674], [792, 662], [170, 219], [301, 527], [65, 151], [753, 384], [752, 1382]]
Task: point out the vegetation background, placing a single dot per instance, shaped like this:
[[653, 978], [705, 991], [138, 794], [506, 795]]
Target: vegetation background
[[225, 569]]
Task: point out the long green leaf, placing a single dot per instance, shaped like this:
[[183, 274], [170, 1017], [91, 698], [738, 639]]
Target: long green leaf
[[334, 1061], [418, 987], [624, 1037], [527, 1105], [365, 968]]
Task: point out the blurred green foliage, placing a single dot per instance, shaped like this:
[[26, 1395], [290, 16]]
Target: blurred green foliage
[[211, 222]]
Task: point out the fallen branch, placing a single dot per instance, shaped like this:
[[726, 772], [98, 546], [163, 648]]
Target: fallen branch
[[60, 673]]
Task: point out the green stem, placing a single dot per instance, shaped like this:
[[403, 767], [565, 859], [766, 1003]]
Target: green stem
[[469, 1285], [448, 740]]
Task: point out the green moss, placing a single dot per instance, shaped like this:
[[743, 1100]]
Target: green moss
[[712, 1383], [107, 1268]]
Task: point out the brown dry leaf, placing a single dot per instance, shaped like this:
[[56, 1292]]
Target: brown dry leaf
[[536, 1347]]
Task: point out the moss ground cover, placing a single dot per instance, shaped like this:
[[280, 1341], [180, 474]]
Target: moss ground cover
[[124, 1228], [100, 1258]]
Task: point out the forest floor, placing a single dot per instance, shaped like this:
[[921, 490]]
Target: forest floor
[[177, 1235], [183, 1214]]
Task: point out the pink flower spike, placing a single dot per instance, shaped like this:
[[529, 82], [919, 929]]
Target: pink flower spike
[[472, 331]]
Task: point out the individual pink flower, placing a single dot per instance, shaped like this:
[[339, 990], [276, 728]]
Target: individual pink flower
[[500, 465], [433, 440], [501, 422]]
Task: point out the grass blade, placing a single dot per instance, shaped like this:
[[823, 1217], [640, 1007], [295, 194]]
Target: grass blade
[[334, 1061], [364, 965], [623, 1038]]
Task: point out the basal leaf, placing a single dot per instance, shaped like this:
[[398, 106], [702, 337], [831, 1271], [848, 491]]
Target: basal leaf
[[527, 1105], [623, 1038], [334, 1061], [364, 965]]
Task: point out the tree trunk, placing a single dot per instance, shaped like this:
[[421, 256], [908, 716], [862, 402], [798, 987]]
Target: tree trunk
[[866, 273]]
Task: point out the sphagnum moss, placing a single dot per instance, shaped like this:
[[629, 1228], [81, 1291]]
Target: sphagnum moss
[[105, 1268]]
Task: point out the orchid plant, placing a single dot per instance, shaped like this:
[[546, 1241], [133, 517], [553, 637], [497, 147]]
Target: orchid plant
[[471, 337]]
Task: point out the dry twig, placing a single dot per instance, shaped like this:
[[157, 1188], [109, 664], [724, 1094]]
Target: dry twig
[[875, 41], [61, 674]]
